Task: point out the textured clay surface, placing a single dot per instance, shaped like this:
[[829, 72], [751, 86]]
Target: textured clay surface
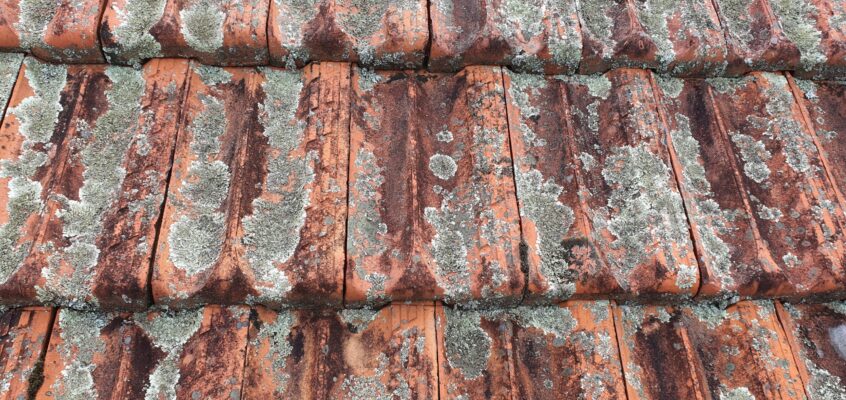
[[374, 33], [545, 352], [215, 32], [351, 354], [86, 153], [432, 208], [536, 36], [23, 339], [704, 352], [791, 208], [817, 335], [257, 202], [187, 354], [57, 31], [818, 30]]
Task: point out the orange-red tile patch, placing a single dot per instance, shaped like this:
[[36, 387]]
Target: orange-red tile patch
[[23, 339], [58, 31]]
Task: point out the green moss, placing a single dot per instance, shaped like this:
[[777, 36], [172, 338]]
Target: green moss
[[134, 41]]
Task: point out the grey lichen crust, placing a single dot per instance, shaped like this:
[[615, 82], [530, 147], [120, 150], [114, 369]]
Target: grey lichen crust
[[202, 25], [297, 14], [33, 18], [80, 334], [104, 149], [523, 20], [362, 19], [272, 232], [38, 116], [276, 334], [798, 19], [10, 63], [132, 35], [169, 331]]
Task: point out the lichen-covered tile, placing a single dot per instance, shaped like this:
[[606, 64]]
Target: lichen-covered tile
[[818, 30], [185, 354], [433, 214], [10, 64], [824, 104], [783, 180], [374, 33], [215, 32], [626, 188], [612, 37], [532, 36], [23, 340], [256, 207], [85, 177], [350, 354], [704, 352], [540, 352], [817, 337], [58, 31], [755, 39]]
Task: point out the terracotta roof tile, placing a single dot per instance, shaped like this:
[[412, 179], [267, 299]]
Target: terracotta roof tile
[[384, 34], [433, 213], [58, 31], [23, 339], [86, 170], [368, 354], [256, 206], [213, 31], [545, 352], [817, 29]]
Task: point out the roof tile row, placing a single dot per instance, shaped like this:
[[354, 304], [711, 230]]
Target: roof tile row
[[686, 38], [579, 349], [318, 186]]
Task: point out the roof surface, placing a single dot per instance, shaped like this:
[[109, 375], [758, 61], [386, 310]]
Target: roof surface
[[363, 199]]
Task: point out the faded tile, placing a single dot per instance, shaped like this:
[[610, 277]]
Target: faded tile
[[702, 351], [796, 220], [187, 354], [534, 36], [58, 31], [85, 165], [374, 33], [627, 204], [543, 352], [433, 213], [755, 39], [10, 64], [817, 335], [818, 30], [351, 354], [215, 32], [23, 339], [257, 204]]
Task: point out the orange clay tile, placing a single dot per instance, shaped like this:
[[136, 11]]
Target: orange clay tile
[[187, 354], [601, 212], [754, 38], [58, 31], [540, 36], [257, 203], [10, 64], [796, 220], [432, 208], [87, 152], [704, 352], [683, 37], [215, 32], [382, 34], [23, 340], [544, 352], [351, 354], [818, 30], [817, 336]]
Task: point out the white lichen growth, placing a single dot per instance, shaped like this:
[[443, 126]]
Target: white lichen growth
[[276, 335], [798, 20], [467, 346], [169, 331], [202, 25], [754, 155], [10, 63], [443, 166], [33, 18], [132, 35], [80, 334]]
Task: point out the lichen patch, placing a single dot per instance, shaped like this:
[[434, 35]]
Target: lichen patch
[[202, 25], [134, 42]]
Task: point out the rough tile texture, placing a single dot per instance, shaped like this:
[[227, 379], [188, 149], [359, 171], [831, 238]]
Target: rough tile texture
[[601, 212], [58, 31], [796, 219], [701, 351], [10, 64], [85, 161], [544, 352], [818, 30], [216, 32], [257, 203], [188, 354], [433, 213], [374, 33], [351, 354], [537, 36], [23, 339], [817, 335]]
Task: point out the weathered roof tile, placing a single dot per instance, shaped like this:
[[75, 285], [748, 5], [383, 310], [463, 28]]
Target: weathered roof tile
[[58, 31], [23, 339]]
